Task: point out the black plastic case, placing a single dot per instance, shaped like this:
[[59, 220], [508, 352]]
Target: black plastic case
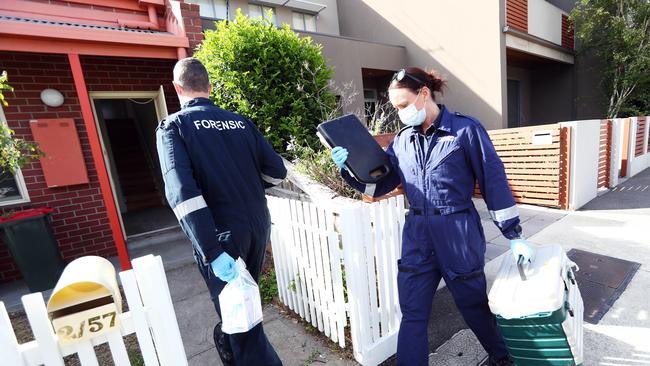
[[367, 161]]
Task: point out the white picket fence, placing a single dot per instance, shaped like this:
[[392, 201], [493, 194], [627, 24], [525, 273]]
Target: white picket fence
[[151, 317], [308, 264], [334, 266]]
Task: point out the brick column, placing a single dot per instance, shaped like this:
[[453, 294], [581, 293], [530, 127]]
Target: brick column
[[192, 23]]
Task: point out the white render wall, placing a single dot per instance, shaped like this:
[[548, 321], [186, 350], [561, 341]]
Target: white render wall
[[545, 21], [461, 39], [616, 152], [585, 147]]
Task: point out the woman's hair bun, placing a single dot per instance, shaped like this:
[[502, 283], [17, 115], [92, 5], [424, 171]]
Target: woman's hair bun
[[418, 77], [435, 81]]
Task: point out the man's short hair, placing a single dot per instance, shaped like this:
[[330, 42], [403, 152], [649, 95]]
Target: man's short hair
[[191, 75]]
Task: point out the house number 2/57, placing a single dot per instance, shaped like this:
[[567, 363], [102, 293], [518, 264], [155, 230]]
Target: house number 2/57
[[94, 324]]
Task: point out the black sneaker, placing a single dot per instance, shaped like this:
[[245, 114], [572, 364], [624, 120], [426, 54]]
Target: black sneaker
[[223, 347], [506, 361]]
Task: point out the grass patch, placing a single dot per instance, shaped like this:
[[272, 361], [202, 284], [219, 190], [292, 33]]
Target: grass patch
[[135, 357], [268, 286]]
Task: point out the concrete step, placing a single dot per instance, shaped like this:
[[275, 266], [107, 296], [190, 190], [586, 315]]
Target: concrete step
[[170, 244]]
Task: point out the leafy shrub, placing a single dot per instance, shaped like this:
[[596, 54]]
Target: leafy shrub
[[268, 287], [4, 86], [271, 75], [319, 166], [618, 34], [14, 152], [384, 119]]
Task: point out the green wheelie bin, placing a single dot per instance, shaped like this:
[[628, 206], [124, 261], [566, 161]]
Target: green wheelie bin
[[539, 309], [30, 240]]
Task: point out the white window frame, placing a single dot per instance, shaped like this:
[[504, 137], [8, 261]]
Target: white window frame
[[18, 176], [372, 99], [264, 9], [303, 15], [214, 9], [161, 112]]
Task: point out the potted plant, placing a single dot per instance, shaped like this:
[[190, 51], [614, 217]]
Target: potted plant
[[27, 233], [384, 125]]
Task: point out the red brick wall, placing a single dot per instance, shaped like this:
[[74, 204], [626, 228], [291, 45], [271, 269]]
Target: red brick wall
[[80, 222], [128, 74], [193, 27], [517, 14]]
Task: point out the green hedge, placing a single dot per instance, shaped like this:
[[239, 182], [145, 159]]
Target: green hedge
[[270, 75]]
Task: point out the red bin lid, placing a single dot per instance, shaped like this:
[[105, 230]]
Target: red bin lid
[[26, 214]]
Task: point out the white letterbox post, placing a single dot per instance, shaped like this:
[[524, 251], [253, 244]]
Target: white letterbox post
[[86, 301]]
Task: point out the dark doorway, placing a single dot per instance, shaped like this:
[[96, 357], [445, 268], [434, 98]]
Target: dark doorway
[[128, 133], [514, 103]]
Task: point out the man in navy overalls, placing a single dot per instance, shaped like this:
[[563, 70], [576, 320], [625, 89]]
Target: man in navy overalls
[[438, 158], [216, 165]]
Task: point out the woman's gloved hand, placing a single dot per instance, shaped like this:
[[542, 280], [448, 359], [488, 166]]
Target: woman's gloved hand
[[521, 247], [224, 267], [339, 156]]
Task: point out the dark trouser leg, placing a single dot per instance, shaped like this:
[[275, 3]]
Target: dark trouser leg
[[251, 348], [221, 341], [416, 286], [471, 299]]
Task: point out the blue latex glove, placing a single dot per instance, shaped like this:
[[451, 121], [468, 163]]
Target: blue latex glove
[[521, 247], [224, 267], [339, 156]]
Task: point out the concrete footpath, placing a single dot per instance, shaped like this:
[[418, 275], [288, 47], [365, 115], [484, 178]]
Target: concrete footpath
[[197, 317], [616, 224], [294, 344]]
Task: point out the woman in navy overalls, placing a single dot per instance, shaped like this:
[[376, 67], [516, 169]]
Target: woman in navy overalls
[[438, 158]]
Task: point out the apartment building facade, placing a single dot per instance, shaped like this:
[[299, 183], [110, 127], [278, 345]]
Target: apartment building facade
[[509, 62]]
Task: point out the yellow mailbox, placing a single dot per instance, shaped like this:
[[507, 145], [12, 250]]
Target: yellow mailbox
[[86, 301]]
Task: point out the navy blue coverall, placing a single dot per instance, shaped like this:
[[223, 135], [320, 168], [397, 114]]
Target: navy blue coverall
[[216, 165], [443, 236]]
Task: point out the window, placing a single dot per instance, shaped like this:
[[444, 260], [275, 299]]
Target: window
[[259, 11], [304, 21], [369, 103], [12, 187], [215, 9]]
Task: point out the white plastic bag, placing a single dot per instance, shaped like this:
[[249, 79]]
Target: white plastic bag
[[240, 302]]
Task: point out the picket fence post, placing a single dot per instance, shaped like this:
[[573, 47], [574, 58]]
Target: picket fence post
[[150, 312]]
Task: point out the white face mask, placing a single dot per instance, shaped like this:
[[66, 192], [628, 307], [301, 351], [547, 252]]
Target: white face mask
[[411, 116]]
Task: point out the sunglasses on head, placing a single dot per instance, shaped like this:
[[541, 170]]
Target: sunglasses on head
[[401, 74]]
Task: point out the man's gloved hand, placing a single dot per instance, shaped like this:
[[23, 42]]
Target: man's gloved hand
[[224, 267], [521, 247], [339, 156]]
